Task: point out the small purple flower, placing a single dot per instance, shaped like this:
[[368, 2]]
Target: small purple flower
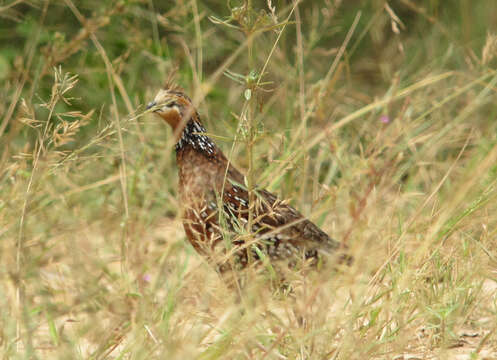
[[147, 278], [384, 119]]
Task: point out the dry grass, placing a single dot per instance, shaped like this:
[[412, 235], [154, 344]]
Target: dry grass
[[377, 121]]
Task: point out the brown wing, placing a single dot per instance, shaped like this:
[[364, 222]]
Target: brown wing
[[283, 232]]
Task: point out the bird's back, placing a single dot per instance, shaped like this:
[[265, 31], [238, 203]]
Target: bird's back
[[210, 183]]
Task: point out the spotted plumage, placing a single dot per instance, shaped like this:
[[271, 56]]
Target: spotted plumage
[[216, 202]]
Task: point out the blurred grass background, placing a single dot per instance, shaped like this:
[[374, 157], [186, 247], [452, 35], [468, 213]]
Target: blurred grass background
[[376, 119]]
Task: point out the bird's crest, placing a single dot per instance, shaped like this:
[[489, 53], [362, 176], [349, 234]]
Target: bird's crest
[[170, 83]]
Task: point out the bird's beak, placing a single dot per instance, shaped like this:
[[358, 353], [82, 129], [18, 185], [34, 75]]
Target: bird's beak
[[151, 104]]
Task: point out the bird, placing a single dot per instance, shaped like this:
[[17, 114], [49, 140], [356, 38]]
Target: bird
[[217, 208]]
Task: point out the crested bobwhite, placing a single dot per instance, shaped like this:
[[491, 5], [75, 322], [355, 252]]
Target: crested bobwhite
[[208, 182]]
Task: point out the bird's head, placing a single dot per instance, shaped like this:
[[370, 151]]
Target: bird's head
[[177, 109], [174, 107]]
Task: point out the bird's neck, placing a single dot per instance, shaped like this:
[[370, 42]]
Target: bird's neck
[[194, 136]]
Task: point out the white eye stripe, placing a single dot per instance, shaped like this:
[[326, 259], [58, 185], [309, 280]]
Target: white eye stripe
[[168, 107]]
